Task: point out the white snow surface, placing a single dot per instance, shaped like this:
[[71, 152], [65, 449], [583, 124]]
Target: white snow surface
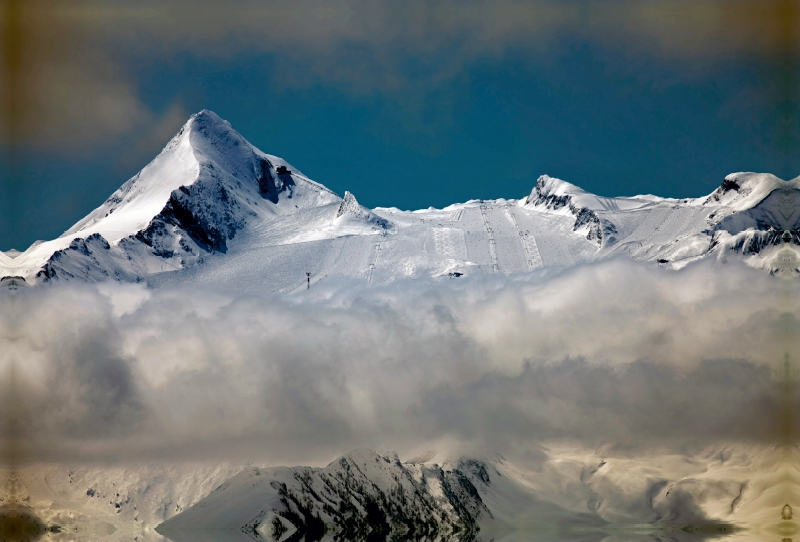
[[549, 491], [119, 502], [213, 210]]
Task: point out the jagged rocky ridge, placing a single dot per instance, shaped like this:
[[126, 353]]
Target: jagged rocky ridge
[[211, 208], [190, 202], [549, 194], [551, 493], [359, 496], [369, 496]]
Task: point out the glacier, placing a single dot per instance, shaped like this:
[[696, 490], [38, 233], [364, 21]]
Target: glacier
[[211, 209]]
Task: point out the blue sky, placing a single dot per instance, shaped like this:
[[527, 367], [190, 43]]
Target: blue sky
[[411, 104]]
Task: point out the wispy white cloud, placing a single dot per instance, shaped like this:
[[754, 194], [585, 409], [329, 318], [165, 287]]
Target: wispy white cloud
[[614, 354]]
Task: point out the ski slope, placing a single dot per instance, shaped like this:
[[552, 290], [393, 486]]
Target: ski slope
[[213, 210]]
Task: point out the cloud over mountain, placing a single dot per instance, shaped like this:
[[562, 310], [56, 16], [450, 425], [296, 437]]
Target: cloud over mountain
[[615, 354]]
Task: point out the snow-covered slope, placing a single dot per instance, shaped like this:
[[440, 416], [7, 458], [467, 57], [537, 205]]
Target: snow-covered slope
[[91, 502], [212, 209], [557, 492], [358, 495], [364, 495], [192, 200]]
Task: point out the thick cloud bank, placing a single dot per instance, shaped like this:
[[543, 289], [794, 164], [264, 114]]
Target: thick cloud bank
[[616, 355]]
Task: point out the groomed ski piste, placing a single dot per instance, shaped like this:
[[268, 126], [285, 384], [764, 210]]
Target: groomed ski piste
[[213, 210]]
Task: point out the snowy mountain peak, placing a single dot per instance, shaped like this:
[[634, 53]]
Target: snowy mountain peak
[[210, 119], [205, 187], [360, 496], [213, 202], [349, 205], [209, 162], [744, 190], [550, 186], [353, 218], [208, 130], [558, 196], [554, 194], [215, 143]]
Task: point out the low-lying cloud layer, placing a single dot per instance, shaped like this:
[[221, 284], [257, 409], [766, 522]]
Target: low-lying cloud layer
[[616, 354]]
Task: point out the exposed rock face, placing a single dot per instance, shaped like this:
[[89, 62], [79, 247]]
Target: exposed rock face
[[549, 193], [349, 205], [207, 185], [359, 496], [211, 192]]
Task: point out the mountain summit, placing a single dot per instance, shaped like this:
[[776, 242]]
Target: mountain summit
[[211, 208], [207, 184]]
